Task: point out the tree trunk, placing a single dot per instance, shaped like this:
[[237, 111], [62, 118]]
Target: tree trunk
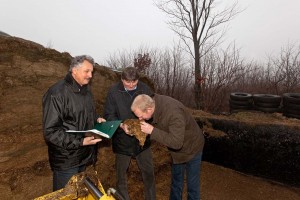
[[197, 88]]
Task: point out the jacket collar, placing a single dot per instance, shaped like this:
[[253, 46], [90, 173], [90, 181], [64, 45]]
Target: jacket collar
[[157, 110], [122, 88], [74, 85]]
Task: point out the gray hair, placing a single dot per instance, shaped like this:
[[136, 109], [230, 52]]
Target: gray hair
[[78, 60], [142, 102]]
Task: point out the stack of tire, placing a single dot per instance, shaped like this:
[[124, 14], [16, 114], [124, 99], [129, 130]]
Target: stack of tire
[[240, 101], [291, 105], [267, 103]]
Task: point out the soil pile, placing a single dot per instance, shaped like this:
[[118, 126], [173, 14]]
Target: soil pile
[[27, 70]]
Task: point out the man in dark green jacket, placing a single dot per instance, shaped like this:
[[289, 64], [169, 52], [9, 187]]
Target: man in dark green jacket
[[125, 147], [174, 126]]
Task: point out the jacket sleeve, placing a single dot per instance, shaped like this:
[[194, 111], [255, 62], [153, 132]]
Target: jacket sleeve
[[53, 125], [110, 108], [172, 135]]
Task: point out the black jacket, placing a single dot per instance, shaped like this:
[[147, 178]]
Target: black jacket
[[68, 106], [117, 107]]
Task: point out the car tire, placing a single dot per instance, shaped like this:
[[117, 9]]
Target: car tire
[[240, 96], [267, 110], [267, 98]]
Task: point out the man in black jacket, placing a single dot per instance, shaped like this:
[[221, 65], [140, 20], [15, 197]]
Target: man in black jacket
[[117, 107], [68, 105]]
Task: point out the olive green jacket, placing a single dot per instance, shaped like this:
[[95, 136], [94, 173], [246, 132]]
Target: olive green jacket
[[175, 127]]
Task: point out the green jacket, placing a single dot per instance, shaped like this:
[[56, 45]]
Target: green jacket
[[175, 127]]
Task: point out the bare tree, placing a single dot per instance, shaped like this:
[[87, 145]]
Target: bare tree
[[286, 70], [199, 24], [120, 59], [167, 69], [223, 69], [281, 73]]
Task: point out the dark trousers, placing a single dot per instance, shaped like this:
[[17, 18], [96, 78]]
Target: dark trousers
[[145, 164], [61, 177], [192, 170]]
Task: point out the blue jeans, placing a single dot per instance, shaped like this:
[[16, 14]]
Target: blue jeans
[[192, 169], [61, 178]]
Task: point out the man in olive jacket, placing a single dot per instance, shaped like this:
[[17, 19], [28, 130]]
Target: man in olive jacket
[[174, 126], [125, 147]]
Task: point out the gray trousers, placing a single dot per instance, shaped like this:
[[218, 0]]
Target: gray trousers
[[145, 164]]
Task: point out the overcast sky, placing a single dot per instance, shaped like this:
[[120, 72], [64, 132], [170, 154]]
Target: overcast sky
[[100, 28]]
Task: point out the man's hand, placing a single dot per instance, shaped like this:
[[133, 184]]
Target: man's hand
[[90, 141], [146, 128], [99, 120], [125, 128]]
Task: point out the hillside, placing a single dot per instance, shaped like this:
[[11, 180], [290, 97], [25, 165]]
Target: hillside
[[27, 69]]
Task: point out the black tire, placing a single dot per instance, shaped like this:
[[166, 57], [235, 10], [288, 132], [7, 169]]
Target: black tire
[[284, 102], [267, 110], [267, 98], [267, 105], [291, 106], [240, 103], [238, 107], [291, 111], [293, 98], [240, 96]]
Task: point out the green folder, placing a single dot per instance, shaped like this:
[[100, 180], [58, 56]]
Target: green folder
[[104, 129]]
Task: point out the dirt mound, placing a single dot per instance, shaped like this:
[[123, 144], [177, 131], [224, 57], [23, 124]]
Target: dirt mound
[[27, 69]]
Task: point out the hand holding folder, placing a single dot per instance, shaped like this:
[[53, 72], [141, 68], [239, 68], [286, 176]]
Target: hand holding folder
[[104, 129]]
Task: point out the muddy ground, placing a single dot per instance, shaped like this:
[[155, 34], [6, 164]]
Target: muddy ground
[[25, 174]]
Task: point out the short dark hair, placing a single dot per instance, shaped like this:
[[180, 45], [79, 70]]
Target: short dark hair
[[78, 60], [130, 74]]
